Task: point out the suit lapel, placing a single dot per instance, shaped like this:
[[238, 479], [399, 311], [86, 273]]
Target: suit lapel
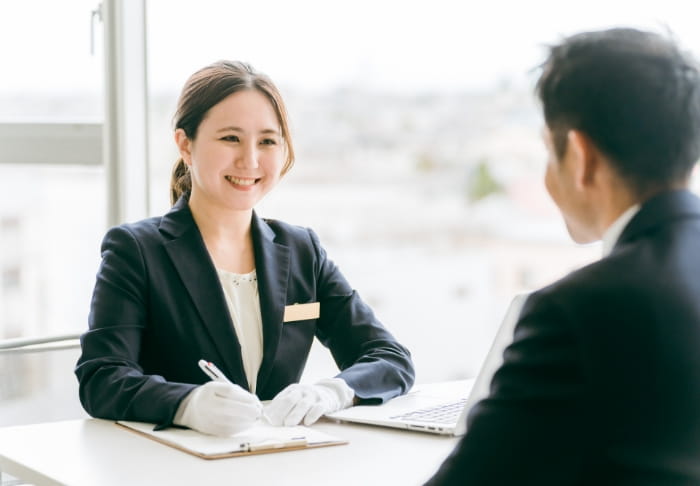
[[272, 268], [191, 259]]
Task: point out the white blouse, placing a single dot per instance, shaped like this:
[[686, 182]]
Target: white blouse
[[241, 292]]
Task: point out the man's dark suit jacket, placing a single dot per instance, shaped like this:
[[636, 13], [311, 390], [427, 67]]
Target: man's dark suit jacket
[[158, 307], [601, 384]]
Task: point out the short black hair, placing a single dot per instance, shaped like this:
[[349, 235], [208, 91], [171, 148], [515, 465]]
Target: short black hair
[[636, 94]]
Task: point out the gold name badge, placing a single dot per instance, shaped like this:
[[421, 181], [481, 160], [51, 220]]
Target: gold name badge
[[301, 312]]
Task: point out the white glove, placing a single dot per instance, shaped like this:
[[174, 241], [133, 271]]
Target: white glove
[[218, 408], [308, 402]]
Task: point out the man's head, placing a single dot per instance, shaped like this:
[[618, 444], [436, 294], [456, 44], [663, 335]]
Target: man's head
[[624, 100]]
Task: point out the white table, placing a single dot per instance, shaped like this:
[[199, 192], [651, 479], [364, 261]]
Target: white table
[[93, 452]]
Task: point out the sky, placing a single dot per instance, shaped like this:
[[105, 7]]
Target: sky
[[398, 45], [320, 44]]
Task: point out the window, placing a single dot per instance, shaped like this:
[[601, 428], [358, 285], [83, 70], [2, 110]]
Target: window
[[52, 207]]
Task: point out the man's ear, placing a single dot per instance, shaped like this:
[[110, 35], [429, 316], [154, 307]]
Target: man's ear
[[183, 145], [584, 156]]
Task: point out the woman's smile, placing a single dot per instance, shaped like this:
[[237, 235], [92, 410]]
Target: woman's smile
[[241, 182]]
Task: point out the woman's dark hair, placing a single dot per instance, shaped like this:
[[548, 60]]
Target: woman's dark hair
[[635, 94], [205, 89]]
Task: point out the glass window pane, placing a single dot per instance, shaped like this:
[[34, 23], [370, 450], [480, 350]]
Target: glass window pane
[[52, 215], [52, 207], [48, 71], [38, 387], [51, 224]]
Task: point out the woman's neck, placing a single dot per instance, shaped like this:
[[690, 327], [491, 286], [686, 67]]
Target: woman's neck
[[227, 236]]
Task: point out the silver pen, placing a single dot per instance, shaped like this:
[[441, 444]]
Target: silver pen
[[217, 375], [213, 372]]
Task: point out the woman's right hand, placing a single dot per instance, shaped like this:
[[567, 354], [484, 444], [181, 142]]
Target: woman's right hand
[[218, 408]]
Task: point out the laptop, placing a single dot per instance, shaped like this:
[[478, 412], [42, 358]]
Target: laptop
[[440, 408]]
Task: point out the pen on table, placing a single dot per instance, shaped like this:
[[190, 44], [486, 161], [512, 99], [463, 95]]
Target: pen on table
[[213, 372]]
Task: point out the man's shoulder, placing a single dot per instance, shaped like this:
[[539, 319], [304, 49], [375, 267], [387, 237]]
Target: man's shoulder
[[622, 290], [601, 279]]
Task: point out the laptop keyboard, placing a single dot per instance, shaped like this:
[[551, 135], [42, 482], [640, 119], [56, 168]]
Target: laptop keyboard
[[442, 414]]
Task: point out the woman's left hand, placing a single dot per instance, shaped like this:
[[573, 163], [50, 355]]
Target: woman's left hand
[[300, 402]]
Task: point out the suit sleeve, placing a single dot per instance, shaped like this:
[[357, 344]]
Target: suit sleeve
[[112, 385], [531, 429], [371, 360]]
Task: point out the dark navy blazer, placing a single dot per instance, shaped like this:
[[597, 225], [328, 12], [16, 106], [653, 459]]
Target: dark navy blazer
[[158, 307], [601, 384]]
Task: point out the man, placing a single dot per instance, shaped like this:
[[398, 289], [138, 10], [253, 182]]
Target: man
[[601, 384]]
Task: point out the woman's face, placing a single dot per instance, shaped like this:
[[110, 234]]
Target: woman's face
[[238, 153]]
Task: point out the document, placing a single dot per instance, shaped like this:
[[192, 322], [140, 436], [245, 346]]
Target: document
[[259, 439]]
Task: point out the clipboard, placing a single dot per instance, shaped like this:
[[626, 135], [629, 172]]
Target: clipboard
[[259, 439]]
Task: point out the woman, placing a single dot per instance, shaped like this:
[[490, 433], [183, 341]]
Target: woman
[[212, 280]]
